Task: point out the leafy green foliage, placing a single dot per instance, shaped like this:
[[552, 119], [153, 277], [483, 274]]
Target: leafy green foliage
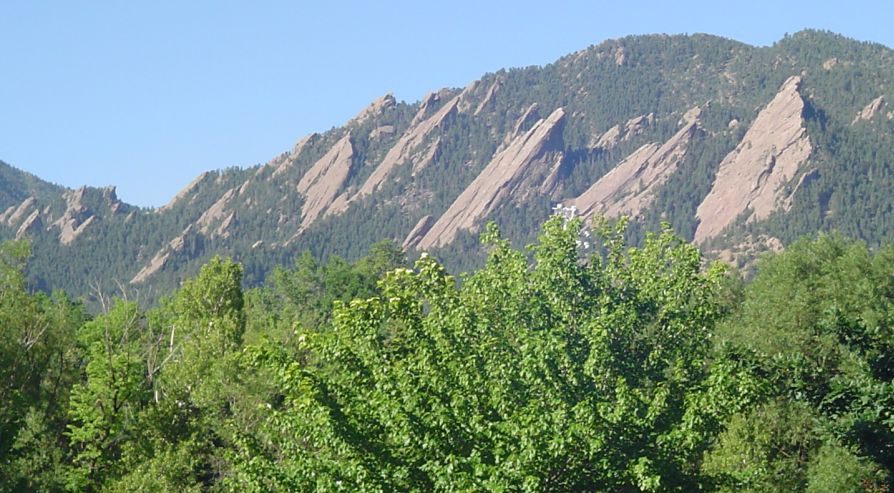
[[554, 368], [819, 317], [430, 386]]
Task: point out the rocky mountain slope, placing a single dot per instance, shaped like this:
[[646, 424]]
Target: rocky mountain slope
[[740, 148]]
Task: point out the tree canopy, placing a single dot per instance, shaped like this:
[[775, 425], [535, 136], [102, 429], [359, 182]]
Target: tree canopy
[[552, 368]]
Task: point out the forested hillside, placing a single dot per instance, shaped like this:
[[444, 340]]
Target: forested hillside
[[555, 368], [741, 149]]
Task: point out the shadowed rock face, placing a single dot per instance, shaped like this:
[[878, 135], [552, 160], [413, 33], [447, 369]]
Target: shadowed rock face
[[497, 182], [630, 187], [753, 176]]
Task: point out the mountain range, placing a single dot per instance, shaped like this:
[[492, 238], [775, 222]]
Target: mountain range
[[741, 149]]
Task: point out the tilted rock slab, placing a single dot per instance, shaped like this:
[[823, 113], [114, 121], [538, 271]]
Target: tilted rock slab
[[15, 213], [162, 256], [325, 179], [630, 186], [753, 176], [498, 181], [418, 232], [189, 189], [406, 146]]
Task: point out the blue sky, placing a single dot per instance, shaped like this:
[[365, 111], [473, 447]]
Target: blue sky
[[146, 95]]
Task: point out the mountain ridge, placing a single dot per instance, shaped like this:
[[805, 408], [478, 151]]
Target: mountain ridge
[[726, 141]]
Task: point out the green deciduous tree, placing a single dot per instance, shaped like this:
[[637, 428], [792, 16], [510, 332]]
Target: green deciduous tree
[[567, 374], [820, 318], [104, 409]]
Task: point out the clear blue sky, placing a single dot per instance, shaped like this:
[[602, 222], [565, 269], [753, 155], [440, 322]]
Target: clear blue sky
[[146, 95]]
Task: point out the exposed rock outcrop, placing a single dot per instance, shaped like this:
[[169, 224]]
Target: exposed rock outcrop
[[31, 223], [608, 139], [184, 192], [418, 232], [214, 214], [76, 217], [374, 109], [753, 176], [161, 258], [619, 133], [325, 179], [380, 131], [528, 118], [426, 105], [620, 56], [489, 96], [280, 165], [744, 254], [13, 215], [499, 180], [631, 185], [465, 103], [870, 110], [406, 148], [691, 115]]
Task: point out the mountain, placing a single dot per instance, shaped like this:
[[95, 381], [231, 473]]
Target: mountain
[[740, 148]]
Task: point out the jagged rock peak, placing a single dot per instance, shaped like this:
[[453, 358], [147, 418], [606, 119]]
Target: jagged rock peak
[[375, 108], [77, 216], [407, 146], [428, 102], [753, 176]]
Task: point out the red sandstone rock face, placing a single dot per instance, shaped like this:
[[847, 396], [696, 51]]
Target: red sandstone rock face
[[497, 182], [753, 176]]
